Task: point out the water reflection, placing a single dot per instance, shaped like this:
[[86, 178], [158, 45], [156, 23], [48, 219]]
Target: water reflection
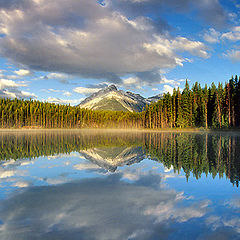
[[112, 157], [214, 154], [98, 209], [125, 185]]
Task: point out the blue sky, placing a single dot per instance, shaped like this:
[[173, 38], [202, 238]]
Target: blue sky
[[63, 50]]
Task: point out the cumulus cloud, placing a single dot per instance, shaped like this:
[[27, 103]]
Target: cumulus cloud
[[67, 93], [64, 101], [91, 88], [174, 82], [23, 72], [150, 78], [57, 76], [85, 90], [134, 82], [64, 92], [92, 40], [5, 83], [212, 36], [4, 75], [168, 89], [60, 77], [233, 35], [233, 54], [52, 90], [10, 89]]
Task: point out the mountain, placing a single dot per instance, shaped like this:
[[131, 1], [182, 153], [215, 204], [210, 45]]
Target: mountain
[[154, 98], [111, 98]]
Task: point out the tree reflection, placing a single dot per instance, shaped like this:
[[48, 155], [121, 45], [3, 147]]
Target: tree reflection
[[214, 154]]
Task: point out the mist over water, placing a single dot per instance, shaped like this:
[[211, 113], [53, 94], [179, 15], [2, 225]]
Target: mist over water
[[119, 185]]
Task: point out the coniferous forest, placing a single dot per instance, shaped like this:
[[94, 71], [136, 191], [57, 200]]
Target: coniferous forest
[[208, 107]]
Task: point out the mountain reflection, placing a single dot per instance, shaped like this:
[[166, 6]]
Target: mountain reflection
[[111, 157], [215, 154]]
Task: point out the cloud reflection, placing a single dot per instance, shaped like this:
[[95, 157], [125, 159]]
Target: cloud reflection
[[98, 208]]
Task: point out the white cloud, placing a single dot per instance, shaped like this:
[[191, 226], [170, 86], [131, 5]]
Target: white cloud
[[234, 55], [168, 89], [10, 89], [233, 35], [54, 90], [196, 48], [149, 79], [8, 77], [85, 90], [28, 94], [98, 42], [5, 83], [64, 101], [211, 36], [57, 76], [169, 47], [23, 72], [51, 90], [66, 93], [134, 82], [173, 82], [130, 80]]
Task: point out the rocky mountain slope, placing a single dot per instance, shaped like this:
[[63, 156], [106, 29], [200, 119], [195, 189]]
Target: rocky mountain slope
[[111, 98]]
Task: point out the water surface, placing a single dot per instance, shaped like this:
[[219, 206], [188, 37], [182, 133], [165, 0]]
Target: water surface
[[119, 185]]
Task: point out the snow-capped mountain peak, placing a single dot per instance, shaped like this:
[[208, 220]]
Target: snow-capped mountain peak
[[110, 98]]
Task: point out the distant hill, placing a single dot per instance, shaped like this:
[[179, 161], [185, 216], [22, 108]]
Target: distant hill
[[111, 98]]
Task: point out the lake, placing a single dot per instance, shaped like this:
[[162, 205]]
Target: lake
[[108, 185]]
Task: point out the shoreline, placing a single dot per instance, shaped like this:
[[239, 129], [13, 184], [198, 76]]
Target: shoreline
[[166, 130]]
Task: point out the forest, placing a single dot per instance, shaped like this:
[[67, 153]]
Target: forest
[[212, 107]]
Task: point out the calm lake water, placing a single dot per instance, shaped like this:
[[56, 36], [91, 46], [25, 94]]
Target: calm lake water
[[119, 185]]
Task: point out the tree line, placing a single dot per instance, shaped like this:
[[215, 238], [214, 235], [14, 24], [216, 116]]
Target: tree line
[[18, 113], [208, 107]]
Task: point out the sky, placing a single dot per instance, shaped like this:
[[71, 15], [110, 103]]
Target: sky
[[62, 51]]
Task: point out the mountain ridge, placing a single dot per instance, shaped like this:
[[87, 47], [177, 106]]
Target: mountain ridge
[[110, 98]]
